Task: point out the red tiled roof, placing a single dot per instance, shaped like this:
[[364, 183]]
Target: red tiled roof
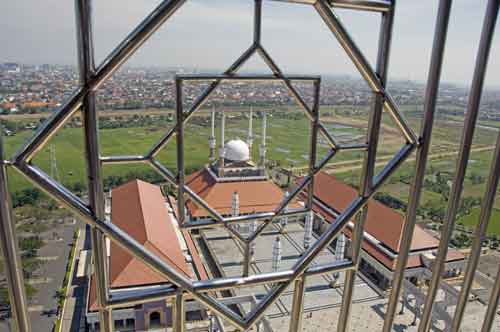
[[255, 196], [138, 208], [382, 222]]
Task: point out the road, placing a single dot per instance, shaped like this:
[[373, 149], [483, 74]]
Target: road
[[43, 306], [75, 306]]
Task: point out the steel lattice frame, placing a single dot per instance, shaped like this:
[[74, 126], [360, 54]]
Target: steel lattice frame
[[91, 78]]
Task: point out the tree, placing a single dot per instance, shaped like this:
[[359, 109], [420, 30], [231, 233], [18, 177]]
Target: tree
[[30, 245]]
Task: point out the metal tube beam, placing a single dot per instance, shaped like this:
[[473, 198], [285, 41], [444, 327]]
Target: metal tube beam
[[241, 78], [247, 259], [121, 238], [372, 78], [492, 305], [179, 313], [421, 158], [220, 284], [180, 151], [94, 173], [367, 178], [198, 200], [467, 136], [306, 259], [313, 145], [372, 6], [123, 159], [161, 143], [286, 80], [479, 237], [163, 171], [49, 128], [243, 218], [379, 6], [329, 138], [257, 23], [9, 247], [124, 301], [309, 180], [113, 232], [120, 54], [297, 305], [323, 241], [211, 88], [135, 40]]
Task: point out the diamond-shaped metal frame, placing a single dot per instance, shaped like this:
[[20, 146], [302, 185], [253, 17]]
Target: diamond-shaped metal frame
[[182, 118], [84, 98]]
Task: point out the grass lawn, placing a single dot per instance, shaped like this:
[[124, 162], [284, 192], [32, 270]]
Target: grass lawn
[[472, 219]]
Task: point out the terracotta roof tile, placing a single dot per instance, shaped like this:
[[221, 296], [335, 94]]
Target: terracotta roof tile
[[382, 222], [255, 196], [139, 209]]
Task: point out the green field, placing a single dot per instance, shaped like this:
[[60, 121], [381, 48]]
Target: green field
[[287, 142], [288, 145], [472, 219]]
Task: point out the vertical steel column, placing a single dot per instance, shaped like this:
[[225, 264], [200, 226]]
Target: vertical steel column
[[96, 192], [257, 32], [179, 313], [479, 237], [257, 23], [492, 305], [180, 150], [467, 136], [366, 186], [297, 305], [9, 247], [314, 142], [421, 157], [247, 259], [299, 289]]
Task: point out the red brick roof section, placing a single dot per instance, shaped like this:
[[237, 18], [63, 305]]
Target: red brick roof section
[[382, 222], [139, 209], [255, 196]]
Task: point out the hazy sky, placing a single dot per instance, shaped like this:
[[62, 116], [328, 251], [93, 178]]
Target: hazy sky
[[212, 33]]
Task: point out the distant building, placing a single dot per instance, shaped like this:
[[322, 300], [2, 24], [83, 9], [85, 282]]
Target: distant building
[[382, 237], [11, 67], [140, 209]]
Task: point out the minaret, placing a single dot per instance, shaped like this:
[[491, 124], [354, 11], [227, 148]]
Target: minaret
[[308, 229], [276, 254], [235, 205], [211, 140], [253, 229], [235, 209], [263, 144], [340, 247], [222, 150], [339, 255], [250, 131], [284, 219]]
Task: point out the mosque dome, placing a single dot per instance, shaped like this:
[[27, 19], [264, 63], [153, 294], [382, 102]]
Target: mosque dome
[[237, 150]]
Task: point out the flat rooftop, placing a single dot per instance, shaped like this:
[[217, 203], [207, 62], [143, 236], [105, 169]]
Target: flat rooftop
[[322, 302]]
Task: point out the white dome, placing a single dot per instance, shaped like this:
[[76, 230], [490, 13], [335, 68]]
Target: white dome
[[237, 150]]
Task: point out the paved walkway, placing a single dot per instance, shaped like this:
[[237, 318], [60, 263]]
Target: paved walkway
[[74, 308]]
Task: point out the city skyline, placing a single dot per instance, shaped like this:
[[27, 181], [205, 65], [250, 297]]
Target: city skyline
[[198, 27]]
